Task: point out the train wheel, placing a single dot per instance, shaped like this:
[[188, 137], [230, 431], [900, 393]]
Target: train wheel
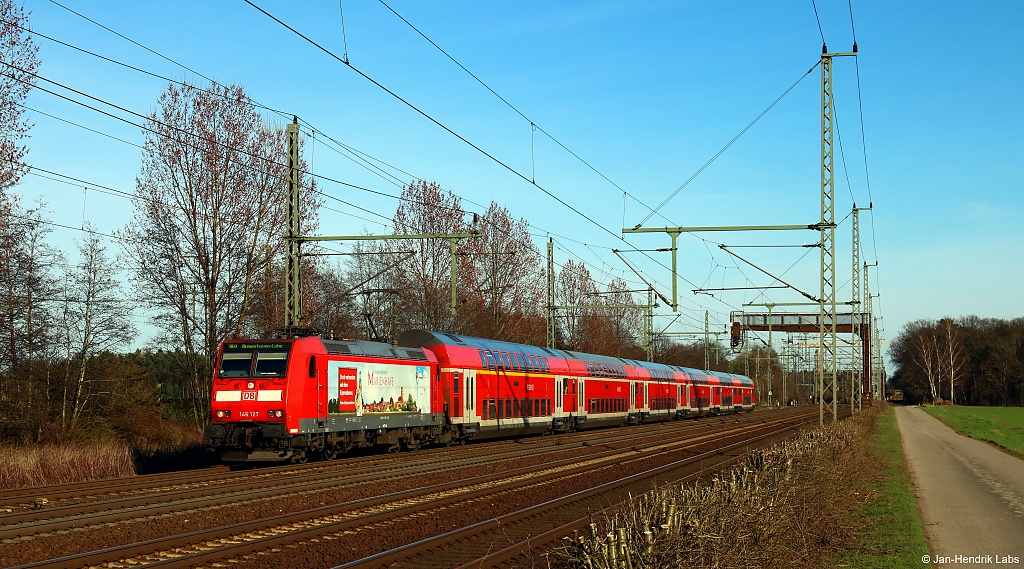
[[330, 453], [299, 458]]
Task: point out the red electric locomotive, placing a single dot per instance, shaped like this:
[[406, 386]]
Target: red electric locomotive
[[281, 400]]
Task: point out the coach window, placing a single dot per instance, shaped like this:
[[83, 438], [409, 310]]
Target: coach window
[[508, 408], [492, 413], [501, 409], [483, 360], [504, 361], [490, 359], [312, 366], [456, 381]]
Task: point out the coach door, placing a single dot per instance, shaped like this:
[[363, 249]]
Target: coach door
[[468, 395], [319, 375], [559, 390], [632, 396]]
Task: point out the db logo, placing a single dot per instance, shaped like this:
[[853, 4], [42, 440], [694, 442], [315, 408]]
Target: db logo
[[248, 396]]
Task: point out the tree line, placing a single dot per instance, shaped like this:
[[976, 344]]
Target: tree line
[[962, 361]]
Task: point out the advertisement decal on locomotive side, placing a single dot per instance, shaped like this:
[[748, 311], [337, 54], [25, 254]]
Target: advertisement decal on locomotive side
[[370, 387]]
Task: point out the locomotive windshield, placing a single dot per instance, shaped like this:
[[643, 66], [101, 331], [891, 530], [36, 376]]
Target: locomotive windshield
[[254, 359]]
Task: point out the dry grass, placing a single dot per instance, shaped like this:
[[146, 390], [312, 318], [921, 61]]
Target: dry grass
[[52, 464], [788, 506], [143, 443]]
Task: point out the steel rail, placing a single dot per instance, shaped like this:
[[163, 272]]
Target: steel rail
[[395, 556]]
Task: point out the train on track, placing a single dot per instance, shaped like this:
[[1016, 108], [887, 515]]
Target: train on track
[[297, 399]]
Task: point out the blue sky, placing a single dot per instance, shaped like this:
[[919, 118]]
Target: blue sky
[[645, 92]]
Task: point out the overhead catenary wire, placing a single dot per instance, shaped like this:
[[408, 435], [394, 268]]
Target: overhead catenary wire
[[363, 158], [445, 127], [533, 125], [568, 239], [255, 103]]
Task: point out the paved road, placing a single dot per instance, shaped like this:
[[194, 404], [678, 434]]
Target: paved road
[[970, 494]]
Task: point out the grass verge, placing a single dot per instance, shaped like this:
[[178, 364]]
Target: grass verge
[[1001, 426], [891, 533]]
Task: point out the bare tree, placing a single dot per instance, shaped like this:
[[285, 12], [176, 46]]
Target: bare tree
[[508, 279], [96, 321], [28, 312], [210, 217], [574, 286], [18, 65], [626, 323], [425, 279], [925, 355], [953, 357]]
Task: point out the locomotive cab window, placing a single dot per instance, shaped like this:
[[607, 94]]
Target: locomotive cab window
[[271, 364], [235, 365]]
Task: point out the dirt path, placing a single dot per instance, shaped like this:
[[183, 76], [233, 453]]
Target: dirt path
[[970, 494]]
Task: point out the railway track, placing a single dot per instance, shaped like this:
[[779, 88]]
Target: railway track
[[428, 494], [79, 506]]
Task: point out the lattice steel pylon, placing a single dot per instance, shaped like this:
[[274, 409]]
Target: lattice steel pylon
[[649, 325], [869, 310], [856, 341], [827, 370], [551, 295], [293, 273]]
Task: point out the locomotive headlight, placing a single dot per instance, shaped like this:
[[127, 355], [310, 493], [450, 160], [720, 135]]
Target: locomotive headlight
[[251, 385], [220, 414], [276, 413]]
